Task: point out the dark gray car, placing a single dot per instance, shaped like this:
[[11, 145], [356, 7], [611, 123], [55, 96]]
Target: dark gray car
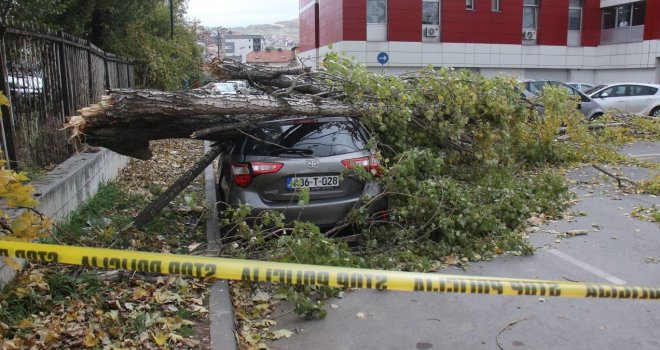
[[270, 165]]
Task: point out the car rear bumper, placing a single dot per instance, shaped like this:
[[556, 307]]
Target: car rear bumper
[[321, 212]]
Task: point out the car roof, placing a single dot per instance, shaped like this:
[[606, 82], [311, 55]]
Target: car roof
[[310, 118], [642, 84]]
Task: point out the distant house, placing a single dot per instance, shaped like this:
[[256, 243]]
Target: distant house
[[238, 46], [272, 58]]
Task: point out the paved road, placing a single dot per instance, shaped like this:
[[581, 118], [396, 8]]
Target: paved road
[[623, 251]]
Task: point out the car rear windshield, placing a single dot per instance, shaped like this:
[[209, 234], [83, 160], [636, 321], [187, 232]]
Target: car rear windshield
[[305, 138]]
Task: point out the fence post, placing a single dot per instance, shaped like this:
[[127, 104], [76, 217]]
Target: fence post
[[90, 71], [128, 75], [8, 131], [107, 71], [118, 74], [64, 74]]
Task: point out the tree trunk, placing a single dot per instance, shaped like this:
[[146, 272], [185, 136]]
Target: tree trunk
[[148, 213], [126, 120], [299, 79]]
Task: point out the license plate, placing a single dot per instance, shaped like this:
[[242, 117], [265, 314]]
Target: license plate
[[313, 182]]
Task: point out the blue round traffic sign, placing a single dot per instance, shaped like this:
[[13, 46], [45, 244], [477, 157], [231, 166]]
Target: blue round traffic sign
[[383, 57]]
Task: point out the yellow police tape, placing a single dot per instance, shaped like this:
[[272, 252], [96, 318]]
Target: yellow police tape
[[263, 271]]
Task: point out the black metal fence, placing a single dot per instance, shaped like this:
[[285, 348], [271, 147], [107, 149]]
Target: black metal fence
[[48, 76]]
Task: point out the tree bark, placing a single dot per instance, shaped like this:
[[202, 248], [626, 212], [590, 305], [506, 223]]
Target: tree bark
[[300, 79], [126, 120]]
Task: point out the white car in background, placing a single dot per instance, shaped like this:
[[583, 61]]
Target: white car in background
[[581, 86], [221, 88], [634, 98]]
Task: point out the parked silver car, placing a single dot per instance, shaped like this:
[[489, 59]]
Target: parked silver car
[[269, 166], [635, 98], [588, 106]]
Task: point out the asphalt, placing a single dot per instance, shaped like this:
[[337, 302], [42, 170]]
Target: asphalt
[[618, 249]]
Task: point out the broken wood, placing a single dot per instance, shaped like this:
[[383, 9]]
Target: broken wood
[[619, 179], [148, 213], [592, 126]]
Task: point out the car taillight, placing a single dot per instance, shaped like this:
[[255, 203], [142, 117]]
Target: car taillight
[[371, 163], [244, 172], [259, 168]]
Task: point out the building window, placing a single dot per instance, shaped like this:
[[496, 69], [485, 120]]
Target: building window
[[638, 13], [624, 15], [431, 12], [530, 13], [377, 11], [495, 5], [469, 4], [575, 15]]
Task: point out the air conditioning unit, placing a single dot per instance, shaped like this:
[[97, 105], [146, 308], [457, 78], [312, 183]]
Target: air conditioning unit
[[529, 34], [430, 32]]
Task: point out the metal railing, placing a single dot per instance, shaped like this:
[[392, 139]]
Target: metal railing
[[622, 35], [48, 76]]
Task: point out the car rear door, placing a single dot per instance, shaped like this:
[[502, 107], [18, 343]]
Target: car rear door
[[640, 99]]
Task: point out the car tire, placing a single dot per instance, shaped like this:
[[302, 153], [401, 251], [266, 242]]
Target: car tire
[[655, 112], [595, 116]]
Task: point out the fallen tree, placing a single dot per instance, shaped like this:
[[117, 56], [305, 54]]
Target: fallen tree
[[126, 120]]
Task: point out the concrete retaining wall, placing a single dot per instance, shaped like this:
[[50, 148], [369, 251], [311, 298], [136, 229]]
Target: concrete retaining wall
[[69, 185]]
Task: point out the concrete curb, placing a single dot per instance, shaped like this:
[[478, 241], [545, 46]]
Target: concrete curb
[[221, 311]]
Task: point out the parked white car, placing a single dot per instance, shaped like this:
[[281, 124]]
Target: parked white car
[[221, 88], [634, 98], [581, 86]]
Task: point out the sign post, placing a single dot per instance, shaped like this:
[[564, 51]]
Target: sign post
[[383, 58]]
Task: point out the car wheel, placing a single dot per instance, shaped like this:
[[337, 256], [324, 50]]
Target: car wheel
[[595, 116], [655, 112]]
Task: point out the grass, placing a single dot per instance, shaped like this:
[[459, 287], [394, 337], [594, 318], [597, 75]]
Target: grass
[[109, 201], [102, 220], [32, 294]]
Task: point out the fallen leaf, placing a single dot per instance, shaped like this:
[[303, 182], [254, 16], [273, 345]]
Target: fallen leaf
[[334, 306], [360, 315], [160, 337], [25, 323], [191, 343], [90, 340], [139, 293], [193, 246], [200, 309], [282, 333], [260, 296]]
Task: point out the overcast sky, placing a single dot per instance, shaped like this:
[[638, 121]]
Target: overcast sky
[[240, 13]]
